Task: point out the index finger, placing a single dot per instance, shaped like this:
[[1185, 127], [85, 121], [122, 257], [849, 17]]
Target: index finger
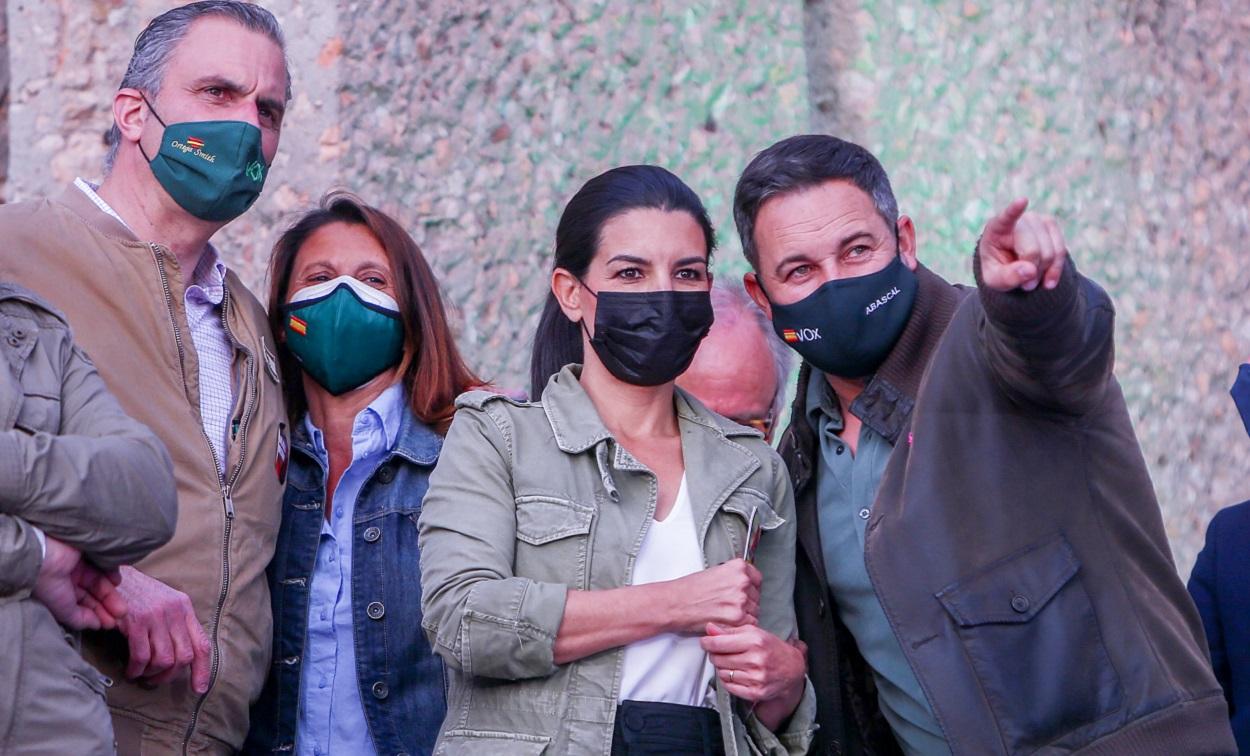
[[201, 669], [1004, 223]]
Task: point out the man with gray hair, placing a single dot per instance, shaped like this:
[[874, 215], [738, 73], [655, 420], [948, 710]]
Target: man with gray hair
[[187, 351], [742, 368]]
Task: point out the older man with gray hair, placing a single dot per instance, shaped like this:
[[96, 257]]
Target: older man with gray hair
[[741, 369], [187, 350]]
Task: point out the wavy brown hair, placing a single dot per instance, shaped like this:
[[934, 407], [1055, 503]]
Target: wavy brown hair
[[432, 370]]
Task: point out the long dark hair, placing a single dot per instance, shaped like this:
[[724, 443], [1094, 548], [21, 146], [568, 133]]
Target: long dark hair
[[432, 370], [558, 340]]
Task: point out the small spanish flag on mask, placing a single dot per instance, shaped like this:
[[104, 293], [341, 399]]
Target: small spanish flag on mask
[[299, 326], [195, 142], [789, 335]]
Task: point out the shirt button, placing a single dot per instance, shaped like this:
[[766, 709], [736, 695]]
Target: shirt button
[[322, 684], [372, 533], [331, 556], [380, 691], [323, 614], [1020, 604], [863, 513], [338, 513], [376, 610], [839, 450]]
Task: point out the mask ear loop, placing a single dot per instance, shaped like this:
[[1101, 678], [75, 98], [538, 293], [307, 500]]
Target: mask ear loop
[[159, 120], [593, 293]]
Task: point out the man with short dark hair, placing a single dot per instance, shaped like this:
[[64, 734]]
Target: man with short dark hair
[[982, 562], [741, 369], [187, 350]]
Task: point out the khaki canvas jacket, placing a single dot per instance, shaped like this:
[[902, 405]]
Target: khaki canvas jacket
[[125, 300], [75, 466], [1015, 543], [530, 500]]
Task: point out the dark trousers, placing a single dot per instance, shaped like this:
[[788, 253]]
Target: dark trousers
[[647, 727]]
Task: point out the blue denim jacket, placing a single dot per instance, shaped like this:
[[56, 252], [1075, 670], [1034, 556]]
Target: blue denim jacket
[[401, 681]]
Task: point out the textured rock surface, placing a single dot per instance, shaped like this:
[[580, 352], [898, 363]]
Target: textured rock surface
[[474, 121], [1127, 120]]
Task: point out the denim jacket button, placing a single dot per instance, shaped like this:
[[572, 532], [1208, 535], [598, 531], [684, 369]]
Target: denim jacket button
[[372, 533], [376, 610], [1020, 604], [386, 473], [380, 691]]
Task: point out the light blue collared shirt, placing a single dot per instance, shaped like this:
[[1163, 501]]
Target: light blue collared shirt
[[331, 716], [846, 486]]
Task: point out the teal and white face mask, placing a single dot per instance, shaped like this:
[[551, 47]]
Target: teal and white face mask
[[212, 169], [344, 333]]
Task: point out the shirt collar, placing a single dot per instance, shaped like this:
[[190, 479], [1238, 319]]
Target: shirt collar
[[386, 411], [821, 401]]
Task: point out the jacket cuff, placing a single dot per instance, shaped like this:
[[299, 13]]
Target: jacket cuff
[[21, 558], [509, 628], [797, 736], [1020, 307]]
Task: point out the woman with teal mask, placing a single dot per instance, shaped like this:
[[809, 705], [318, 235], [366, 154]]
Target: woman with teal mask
[[371, 373]]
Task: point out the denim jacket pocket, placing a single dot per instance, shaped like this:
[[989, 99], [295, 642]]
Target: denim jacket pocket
[[1029, 630]]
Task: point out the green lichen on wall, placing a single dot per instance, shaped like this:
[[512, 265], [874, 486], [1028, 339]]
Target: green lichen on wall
[[475, 122]]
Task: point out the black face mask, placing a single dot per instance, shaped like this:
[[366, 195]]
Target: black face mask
[[647, 338], [847, 327]]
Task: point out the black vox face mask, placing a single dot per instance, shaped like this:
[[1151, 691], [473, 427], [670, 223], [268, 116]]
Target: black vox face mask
[[648, 338]]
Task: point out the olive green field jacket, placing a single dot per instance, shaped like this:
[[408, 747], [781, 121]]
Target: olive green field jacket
[[73, 465], [531, 500]]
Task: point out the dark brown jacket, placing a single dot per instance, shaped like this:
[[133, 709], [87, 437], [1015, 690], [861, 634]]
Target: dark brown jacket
[[1015, 544]]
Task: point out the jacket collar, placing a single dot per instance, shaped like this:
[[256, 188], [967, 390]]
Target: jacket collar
[[75, 199], [415, 442], [886, 403], [715, 464], [575, 421]]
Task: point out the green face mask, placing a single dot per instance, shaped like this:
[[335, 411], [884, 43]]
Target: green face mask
[[213, 169], [344, 333]]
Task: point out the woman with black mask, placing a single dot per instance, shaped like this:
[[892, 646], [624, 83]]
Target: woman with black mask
[[612, 566]]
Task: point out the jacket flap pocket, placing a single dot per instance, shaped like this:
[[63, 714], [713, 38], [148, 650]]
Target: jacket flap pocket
[[744, 502], [466, 742], [1013, 589], [542, 519]]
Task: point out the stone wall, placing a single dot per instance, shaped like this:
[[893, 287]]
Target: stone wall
[[474, 121]]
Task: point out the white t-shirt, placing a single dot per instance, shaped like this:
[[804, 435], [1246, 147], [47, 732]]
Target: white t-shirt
[[671, 667]]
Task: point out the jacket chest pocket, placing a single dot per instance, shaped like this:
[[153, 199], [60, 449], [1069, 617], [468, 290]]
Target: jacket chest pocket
[[39, 412], [1030, 633], [552, 539], [751, 515]]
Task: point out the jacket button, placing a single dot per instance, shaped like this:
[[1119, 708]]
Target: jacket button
[[864, 513], [372, 534], [820, 608], [386, 473], [1020, 603], [376, 610], [839, 449], [380, 691]]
